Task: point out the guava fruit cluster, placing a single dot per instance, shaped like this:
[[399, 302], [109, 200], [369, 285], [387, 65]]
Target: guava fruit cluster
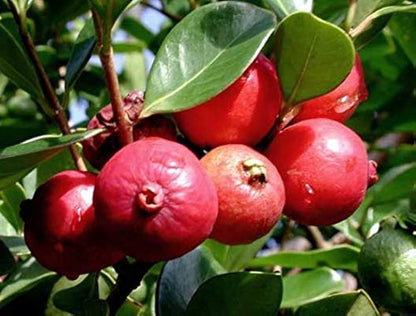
[[154, 200]]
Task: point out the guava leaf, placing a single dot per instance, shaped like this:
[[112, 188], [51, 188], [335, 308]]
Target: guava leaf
[[312, 56], [16, 245], [16, 161], [7, 262], [352, 304], [25, 276], [238, 294], [403, 26], [181, 277], [309, 286], [338, 257], [233, 258], [366, 7], [14, 62], [283, 8], [10, 199], [204, 54], [80, 55]]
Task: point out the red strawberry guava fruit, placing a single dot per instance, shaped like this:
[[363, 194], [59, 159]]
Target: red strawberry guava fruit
[[243, 113], [325, 170], [156, 200], [60, 226], [250, 192], [340, 103], [100, 148]]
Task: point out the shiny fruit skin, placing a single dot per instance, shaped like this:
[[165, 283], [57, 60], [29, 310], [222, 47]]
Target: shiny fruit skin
[[156, 200], [324, 167], [250, 192], [243, 113], [387, 270], [60, 226], [340, 103], [100, 148]]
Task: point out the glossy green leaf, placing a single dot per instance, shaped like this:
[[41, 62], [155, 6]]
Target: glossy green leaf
[[233, 258], [283, 8], [366, 7], [72, 299], [309, 286], [16, 161], [181, 277], [5, 228], [337, 257], [204, 54], [403, 26], [80, 55], [14, 62], [356, 303], [395, 184], [96, 308], [312, 56], [26, 275], [10, 199], [7, 262], [238, 294], [136, 29], [16, 245]]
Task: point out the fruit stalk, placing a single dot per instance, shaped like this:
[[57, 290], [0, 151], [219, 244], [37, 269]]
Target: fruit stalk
[[129, 278], [47, 89], [124, 129]]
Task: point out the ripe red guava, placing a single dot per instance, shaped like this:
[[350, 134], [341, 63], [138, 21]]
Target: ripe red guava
[[340, 103], [155, 200], [100, 148], [60, 227], [250, 192], [243, 113], [325, 170]]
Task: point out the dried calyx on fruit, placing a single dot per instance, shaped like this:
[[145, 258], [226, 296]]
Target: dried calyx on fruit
[[325, 170], [243, 113], [250, 192], [340, 103], [61, 229], [155, 200], [99, 149]]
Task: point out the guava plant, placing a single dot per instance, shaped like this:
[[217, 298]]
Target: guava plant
[[192, 183]]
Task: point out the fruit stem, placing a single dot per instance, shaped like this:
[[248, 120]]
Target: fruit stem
[[46, 86], [130, 276], [317, 237], [105, 49], [256, 171]]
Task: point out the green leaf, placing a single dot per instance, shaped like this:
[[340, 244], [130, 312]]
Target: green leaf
[[283, 8], [239, 294], [96, 308], [338, 257], [403, 26], [10, 199], [309, 286], [7, 262], [26, 275], [16, 161], [352, 304], [134, 72], [366, 7], [16, 245], [72, 299], [312, 56], [233, 258], [14, 62], [80, 55], [181, 277], [204, 54], [136, 29], [109, 10]]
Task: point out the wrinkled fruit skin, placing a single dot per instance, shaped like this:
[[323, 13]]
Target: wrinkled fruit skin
[[250, 192], [340, 103], [99, 149], [156, 200], [387, 270], [60, 227], [243, 113], [325, 170]]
